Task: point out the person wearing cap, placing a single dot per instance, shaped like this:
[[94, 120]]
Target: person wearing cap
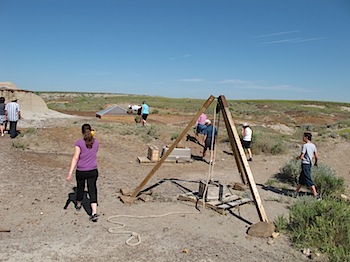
[[247, 139], [13, 114], [209, 133]]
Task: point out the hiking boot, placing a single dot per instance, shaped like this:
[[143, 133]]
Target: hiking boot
[[250, 159], [318, 197], [94, 218]]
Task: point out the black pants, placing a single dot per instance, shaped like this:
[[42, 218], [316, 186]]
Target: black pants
[[13, 129], [91, 178]]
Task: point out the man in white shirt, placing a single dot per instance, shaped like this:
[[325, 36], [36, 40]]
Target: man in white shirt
[[247, 139], [13, 114]]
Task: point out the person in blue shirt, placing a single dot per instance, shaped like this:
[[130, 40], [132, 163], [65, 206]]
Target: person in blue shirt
[[144, 113], [209, 133]]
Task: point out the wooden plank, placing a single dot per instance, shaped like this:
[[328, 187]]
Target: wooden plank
[[171, 148], [146, 160], [193, 199], [143, 159], [234, 203], [4, 229], [241, 158], [230, 198], [233, 136]]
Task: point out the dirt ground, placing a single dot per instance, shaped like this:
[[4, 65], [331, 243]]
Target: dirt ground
[[37, 202]]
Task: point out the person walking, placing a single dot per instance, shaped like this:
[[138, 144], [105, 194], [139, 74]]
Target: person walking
[[308, 153], [2, 115], [210, 133], [13, 114], [85, 162], [247, 139], [144, 113]]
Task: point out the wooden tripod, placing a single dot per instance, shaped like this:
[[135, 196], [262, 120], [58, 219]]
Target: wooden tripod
[[238, 152]]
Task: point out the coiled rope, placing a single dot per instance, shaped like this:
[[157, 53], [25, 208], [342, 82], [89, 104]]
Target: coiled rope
[[134, 236]]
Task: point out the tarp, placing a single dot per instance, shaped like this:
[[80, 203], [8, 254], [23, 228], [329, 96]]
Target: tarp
[[112, 111]]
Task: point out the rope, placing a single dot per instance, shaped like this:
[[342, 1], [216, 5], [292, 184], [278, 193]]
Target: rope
[[212, 159], [135, 235]]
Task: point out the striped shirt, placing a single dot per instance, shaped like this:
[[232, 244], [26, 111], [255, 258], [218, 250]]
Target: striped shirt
[[12, 110]]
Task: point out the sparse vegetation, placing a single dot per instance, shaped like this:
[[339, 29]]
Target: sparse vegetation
[[268, 142], [322, 225], [326, 182], [319, 224], [174, 136], [345, 133], [28, 131], [281, 223], [19, 145]]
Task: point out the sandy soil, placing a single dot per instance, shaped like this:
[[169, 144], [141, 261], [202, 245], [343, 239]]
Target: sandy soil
[[34, 193]]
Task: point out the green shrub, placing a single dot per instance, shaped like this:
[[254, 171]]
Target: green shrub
[[19, 145], [326, 181], [174, 136], [323, 225], [153, 131], [281, 223], [345, 133], [290, 171], [307, 127], [30, 130], [267, 143], [125, 132]]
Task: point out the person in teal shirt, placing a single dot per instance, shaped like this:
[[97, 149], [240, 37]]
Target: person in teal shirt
[[144, 113]]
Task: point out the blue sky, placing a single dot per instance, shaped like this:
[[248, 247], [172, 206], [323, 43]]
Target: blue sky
[[247, 49]]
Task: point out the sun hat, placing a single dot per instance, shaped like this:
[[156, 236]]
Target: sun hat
[[207, 121], [245, 124], [13, 99]]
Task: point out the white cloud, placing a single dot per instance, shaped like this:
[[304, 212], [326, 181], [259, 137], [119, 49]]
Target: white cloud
[[292, 40], [279, 33]]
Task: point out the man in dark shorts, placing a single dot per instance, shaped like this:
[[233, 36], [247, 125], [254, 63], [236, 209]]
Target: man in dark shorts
[[247, 139], [144, 113], [308, 152]]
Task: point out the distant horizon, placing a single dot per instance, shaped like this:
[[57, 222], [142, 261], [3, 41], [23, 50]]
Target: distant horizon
[[131, 94], [245, 50], [124, 94]]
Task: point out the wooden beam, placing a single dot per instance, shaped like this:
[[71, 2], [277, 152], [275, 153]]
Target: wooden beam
[[240, 157], [233, 136], [171, 148]]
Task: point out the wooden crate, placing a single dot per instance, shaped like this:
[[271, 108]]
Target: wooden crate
[[153, 153]]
